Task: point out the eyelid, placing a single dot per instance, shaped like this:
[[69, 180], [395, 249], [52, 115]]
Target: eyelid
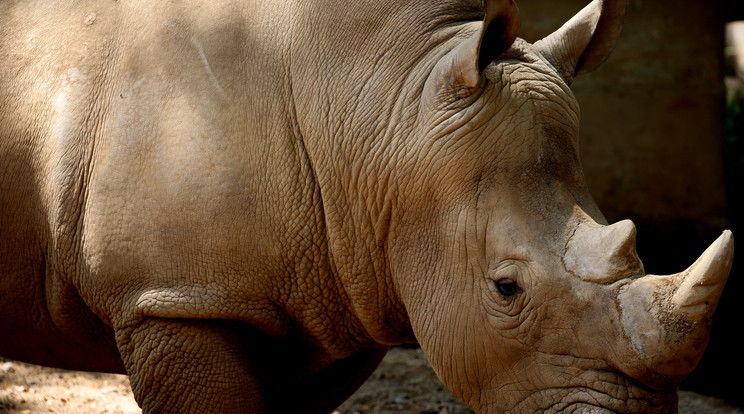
[[501, 266]]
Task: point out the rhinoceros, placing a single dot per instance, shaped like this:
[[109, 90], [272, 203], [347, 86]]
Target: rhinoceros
[[244, 204]]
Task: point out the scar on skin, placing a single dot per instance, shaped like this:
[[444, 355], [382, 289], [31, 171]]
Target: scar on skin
[[208, 68]]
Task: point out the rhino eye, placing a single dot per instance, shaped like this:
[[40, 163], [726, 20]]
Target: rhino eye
[[507, 287]]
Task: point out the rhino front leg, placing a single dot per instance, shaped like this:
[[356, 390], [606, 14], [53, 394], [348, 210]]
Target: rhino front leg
[[190, 366]]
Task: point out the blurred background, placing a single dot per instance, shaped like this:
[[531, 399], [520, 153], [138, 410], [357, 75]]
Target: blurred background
[[662, 143]]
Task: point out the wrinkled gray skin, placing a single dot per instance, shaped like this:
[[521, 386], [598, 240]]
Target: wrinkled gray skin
[[243, 204]]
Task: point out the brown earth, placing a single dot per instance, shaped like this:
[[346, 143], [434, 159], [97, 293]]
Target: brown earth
[[404, 383]]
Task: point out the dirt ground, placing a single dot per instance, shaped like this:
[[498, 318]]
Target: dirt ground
[[404, 383]]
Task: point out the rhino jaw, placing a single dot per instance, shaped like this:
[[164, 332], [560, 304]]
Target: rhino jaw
[[668, 318]]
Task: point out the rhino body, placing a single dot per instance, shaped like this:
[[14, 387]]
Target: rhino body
[[242, 205]]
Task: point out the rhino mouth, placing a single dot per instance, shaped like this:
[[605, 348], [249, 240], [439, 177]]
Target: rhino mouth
[[583, 408], [635, 400], [617, 406], [614, 393]]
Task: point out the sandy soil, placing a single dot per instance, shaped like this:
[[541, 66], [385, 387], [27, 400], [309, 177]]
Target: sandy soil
[[404, 383]]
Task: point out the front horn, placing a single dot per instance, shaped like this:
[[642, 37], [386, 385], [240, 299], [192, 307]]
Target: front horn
[[668, 318]]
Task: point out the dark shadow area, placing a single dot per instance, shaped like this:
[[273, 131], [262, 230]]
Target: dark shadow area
[[733, 10]]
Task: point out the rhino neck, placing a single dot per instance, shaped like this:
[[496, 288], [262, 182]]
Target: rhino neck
[[358, 133]]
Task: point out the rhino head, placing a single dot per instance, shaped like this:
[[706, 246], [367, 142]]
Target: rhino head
[[522, 296]]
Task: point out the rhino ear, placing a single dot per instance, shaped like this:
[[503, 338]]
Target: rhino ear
[[585, 41], [498, 31]]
